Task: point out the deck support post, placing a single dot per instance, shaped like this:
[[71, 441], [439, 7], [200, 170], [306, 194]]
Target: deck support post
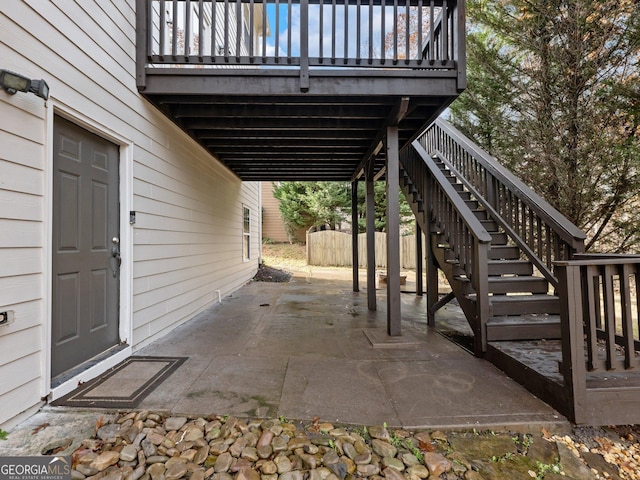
[[432, 285], [304, 45], [419, 261], [354, 235], [142, 46], [433, 295], [371, 241], [394, 315]]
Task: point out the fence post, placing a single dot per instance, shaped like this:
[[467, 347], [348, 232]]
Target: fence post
[[572, 335]]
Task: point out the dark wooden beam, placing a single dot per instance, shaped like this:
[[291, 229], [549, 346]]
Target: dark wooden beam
[[354, 236], [394, 313], [393, 118], [371, 243], [419, 261]]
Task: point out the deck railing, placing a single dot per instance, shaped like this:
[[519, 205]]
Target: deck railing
[[600, 314], [542, 232], [467, 238], [379, 34]]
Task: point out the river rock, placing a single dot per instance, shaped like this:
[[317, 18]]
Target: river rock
[[363, 459], [409, 459], [105, 460], [283, 463], [436, 463], [238, 446], [223, 463], [250, 453], [419, 471], [279, 444], [247, 474], [148, 448], [298, 442], [339, 470], [265, 439], [330, 458], [393, 462], [176, 470], [193, 433], [384, 449], [156, 471], [392, 474], [108, 432], [86, 470], [379, 433], [269, 468], [294, 475], [201, 455], [264, 451], [129, 453], [368, 470], [218, 447], [174, 423], [350, 451]]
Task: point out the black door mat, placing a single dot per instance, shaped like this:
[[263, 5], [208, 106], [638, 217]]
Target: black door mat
[[123, 386]]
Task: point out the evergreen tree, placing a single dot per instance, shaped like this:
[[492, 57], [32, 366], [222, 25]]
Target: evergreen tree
[[304, 205], [554, 93]]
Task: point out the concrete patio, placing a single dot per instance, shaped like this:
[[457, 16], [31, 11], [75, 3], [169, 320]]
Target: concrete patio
[[311, 348]]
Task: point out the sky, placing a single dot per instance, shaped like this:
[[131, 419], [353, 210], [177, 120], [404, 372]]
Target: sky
[[281, 29]]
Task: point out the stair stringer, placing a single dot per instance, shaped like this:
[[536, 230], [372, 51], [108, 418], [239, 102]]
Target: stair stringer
[[460, 291]]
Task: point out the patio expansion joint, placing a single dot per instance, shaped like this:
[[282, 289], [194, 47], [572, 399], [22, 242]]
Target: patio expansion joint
[[389, 396]]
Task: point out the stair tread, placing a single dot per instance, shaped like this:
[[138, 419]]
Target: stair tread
[[527, 319], [509, 261], [511, 279], [520, 278], [535, 297]]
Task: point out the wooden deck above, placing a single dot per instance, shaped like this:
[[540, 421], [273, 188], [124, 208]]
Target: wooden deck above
[[307, 90]]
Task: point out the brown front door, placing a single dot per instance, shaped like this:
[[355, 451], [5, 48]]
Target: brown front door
[[86, 255]]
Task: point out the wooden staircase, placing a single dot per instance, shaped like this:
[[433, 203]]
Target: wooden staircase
[[521, 305], [539, 308], [508, 291]]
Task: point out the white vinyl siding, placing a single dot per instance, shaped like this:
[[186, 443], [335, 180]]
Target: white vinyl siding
[[186, 238]]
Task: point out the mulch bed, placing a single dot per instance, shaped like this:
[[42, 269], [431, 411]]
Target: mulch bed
[[270, 274]]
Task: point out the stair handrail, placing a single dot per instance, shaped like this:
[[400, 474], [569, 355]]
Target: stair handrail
[[548, 233], [469, 219], [511, 233], [467, 237]]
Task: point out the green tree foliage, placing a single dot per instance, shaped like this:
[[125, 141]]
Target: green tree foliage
[[311, 204], [554, 93], [315, 204]]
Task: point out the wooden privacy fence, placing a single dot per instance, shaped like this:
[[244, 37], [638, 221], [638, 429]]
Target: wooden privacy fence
[[332, 248]]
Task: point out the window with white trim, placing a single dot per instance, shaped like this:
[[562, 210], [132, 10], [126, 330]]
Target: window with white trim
[[246, 233]]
